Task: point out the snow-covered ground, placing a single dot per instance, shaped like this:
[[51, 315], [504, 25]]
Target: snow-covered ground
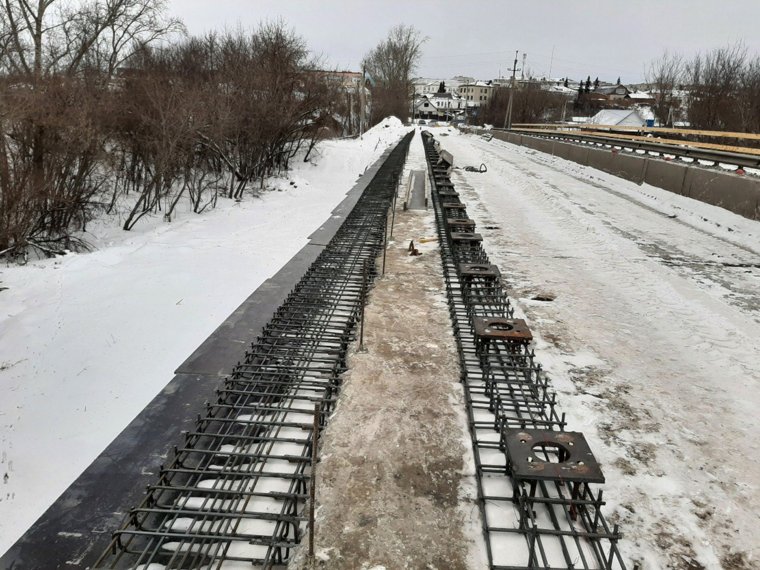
[[651, 340], [87, 340], [651, 336]]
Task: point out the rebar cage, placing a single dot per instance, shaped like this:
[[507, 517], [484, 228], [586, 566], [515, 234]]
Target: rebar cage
[[234, 492], [539, 507]]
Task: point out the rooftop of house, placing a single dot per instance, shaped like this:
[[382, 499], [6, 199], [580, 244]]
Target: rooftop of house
[[642, 95], [609, 89], [612, 117]]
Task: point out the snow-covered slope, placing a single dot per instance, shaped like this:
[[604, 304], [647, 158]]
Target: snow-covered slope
[[87, 340]]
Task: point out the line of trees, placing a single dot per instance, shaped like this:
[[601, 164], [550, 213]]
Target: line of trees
[[107, 102], [719, 89], [530, 104]]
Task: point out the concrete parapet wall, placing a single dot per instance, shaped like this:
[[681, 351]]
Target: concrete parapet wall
[[738, 194], [629, 166], [667, 175], [574, 152]]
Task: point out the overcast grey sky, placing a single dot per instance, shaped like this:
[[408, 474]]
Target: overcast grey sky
[[604, 38]]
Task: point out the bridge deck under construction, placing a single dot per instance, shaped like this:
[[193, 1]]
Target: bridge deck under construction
[[234, 488]]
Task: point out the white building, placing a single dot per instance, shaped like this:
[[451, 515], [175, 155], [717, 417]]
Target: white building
[[478, 92], [427, 86], [439, 106]]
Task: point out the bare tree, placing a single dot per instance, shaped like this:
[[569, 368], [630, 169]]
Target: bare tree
[[187, 120], [664, 76], [58, 56], [531, 104], [749, 96], [391, 65], [715, 80], [45, 37]]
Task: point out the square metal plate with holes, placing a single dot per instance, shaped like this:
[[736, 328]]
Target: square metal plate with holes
[[468, 270], [496, 328], [465, 237], [571, 457], [460, 223]]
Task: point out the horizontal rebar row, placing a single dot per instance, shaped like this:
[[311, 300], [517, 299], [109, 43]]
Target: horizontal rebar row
[[529, 522], [235, 489]]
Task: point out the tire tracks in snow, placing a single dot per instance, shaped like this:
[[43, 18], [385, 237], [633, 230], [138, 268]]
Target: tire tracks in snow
[[672, 360]]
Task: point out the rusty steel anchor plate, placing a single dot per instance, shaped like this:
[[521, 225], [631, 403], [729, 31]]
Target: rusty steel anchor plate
[[465, 237], [571, 455], [469, 270], [497, 328], [460, 223]]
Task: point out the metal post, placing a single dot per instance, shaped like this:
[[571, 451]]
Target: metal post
[[313, 481], [362, 304], [393, 210], [385, 243]]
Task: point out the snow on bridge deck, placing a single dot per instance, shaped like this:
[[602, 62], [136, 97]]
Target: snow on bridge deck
[[651, 339]]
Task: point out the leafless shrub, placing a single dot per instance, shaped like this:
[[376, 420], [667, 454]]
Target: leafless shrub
[[56, 58], [93, 113]]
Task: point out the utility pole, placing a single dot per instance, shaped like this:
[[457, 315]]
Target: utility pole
[[551, 63], [508, 116]]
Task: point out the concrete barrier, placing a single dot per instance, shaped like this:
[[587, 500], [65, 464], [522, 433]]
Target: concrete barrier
[[626, 166], [544, 145], [738, 194], [599, 158], [575, 152], [514, 138], [724, 189], [629, 166], [667, 175]]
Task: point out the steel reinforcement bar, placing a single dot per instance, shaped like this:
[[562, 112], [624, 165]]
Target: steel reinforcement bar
[[536, 481], [235, 490]]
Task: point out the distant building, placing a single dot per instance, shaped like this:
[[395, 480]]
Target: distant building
[[346, 79], [478, 93], [439, 106], [613, 92], [425, 86], [561, 89], [641, 98]]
